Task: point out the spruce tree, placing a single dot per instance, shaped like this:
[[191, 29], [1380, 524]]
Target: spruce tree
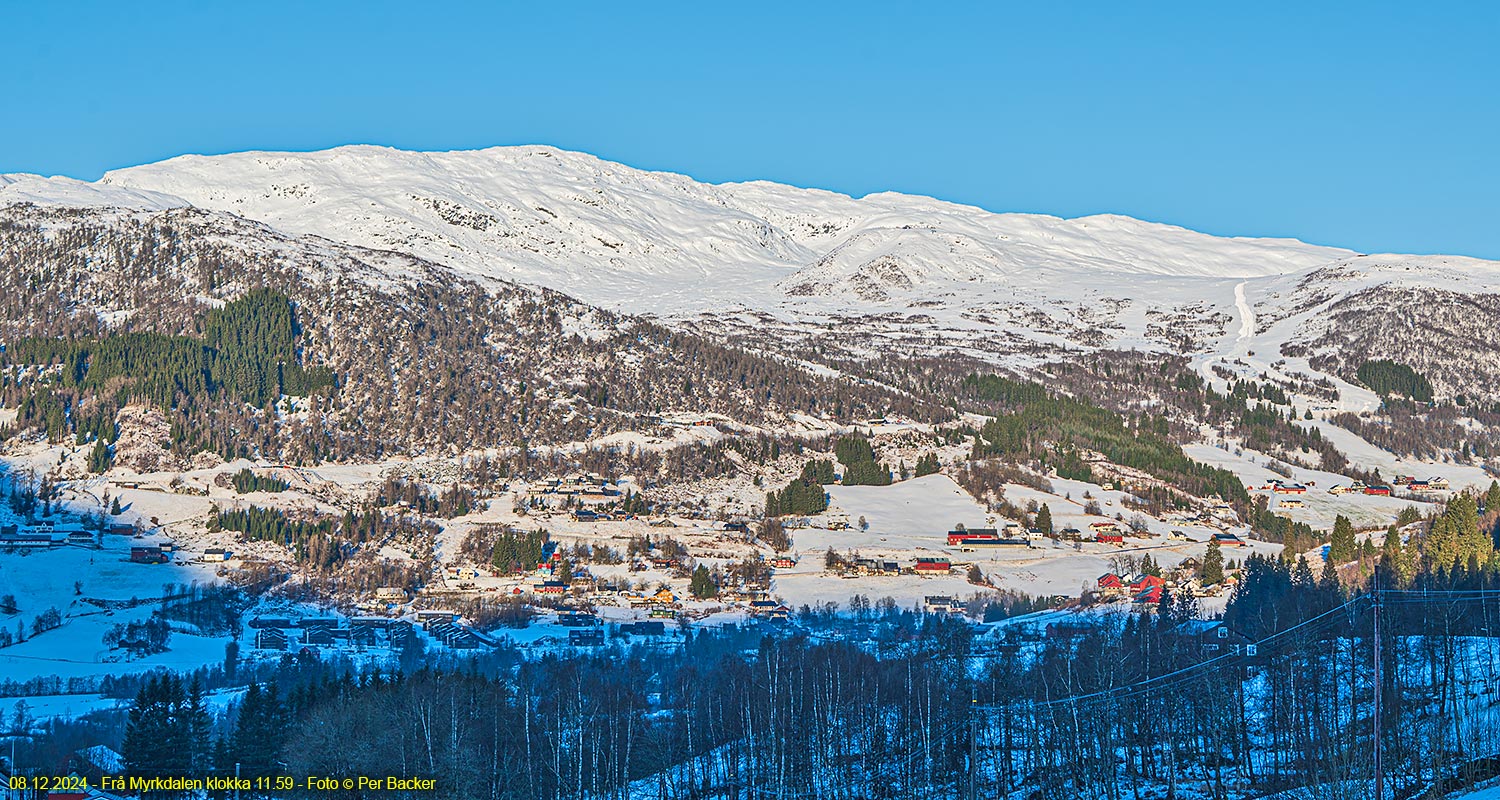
[[1213, 564], [1492, 497], [1341, 548], [1044, 520], [146, 731], [198, 722], [702, 584]]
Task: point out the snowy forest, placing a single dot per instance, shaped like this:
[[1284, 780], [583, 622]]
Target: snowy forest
[[1097, 711]]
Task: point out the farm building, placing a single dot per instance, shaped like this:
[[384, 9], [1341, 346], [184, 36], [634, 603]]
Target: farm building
[[933, 564], [147, 554]]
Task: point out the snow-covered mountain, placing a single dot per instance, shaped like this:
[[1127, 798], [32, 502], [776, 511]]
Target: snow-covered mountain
[[757, 260], [666, 244]]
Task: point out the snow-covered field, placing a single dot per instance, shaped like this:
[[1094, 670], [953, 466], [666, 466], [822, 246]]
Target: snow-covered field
[[65, 578]]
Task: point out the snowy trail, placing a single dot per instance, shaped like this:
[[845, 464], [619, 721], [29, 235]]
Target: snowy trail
[[1247, 314]]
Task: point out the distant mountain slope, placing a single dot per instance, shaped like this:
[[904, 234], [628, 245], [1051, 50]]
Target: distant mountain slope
[[821, 276], [426, 360]]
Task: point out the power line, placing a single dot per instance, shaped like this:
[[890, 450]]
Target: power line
[[1178, 676]]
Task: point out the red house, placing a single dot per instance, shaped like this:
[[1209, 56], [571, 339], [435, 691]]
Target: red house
[[1380, 490], [1150, 595], [1111, 585], [1147, 582], [936, 564], [958, 537], [1110, 537], [147, 555]]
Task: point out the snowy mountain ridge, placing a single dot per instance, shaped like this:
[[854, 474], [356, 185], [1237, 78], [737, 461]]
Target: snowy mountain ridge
[[573, 221]]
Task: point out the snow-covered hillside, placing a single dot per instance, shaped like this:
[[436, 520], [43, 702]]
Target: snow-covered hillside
[[596, 228], [766, 260]]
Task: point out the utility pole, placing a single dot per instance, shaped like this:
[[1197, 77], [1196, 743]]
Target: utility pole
[[1379, 689], [973, 739]]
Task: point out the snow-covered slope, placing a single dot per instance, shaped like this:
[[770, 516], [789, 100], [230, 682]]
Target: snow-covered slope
[[64, 191], [664, 243], [782, 263]]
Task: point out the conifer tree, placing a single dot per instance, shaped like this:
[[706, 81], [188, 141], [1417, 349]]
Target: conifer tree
[[1213, 564], [702, 584], [1044, 520], [1492, 497], [1341, 548], [258, 731]]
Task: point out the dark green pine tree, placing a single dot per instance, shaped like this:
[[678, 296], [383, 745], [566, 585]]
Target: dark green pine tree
[[146, 731], [178, 756], [258, 731], [1213, 564], [1328, 580], [1044, 520], [702, 584], [198, 723], [99, 457], [1492, 497], [1342, 548]]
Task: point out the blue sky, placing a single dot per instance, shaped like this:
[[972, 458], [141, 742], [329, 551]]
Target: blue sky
[[1363, 124]]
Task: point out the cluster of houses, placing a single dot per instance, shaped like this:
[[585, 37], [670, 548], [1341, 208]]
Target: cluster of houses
[[1412, 484], [1407, 482], [583, 484], [163, 552], [1217, 515], [1145, 591], [969, 540], [866, 566], [312, 633], [875, 566], [44, 534], [599, 515]]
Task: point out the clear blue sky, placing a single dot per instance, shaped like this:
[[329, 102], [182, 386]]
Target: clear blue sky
[[1370, 125]]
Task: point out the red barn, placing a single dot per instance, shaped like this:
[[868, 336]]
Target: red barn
[[1380, 490], [1110, 537], [936, 564], [147, 555], [958, 537]]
